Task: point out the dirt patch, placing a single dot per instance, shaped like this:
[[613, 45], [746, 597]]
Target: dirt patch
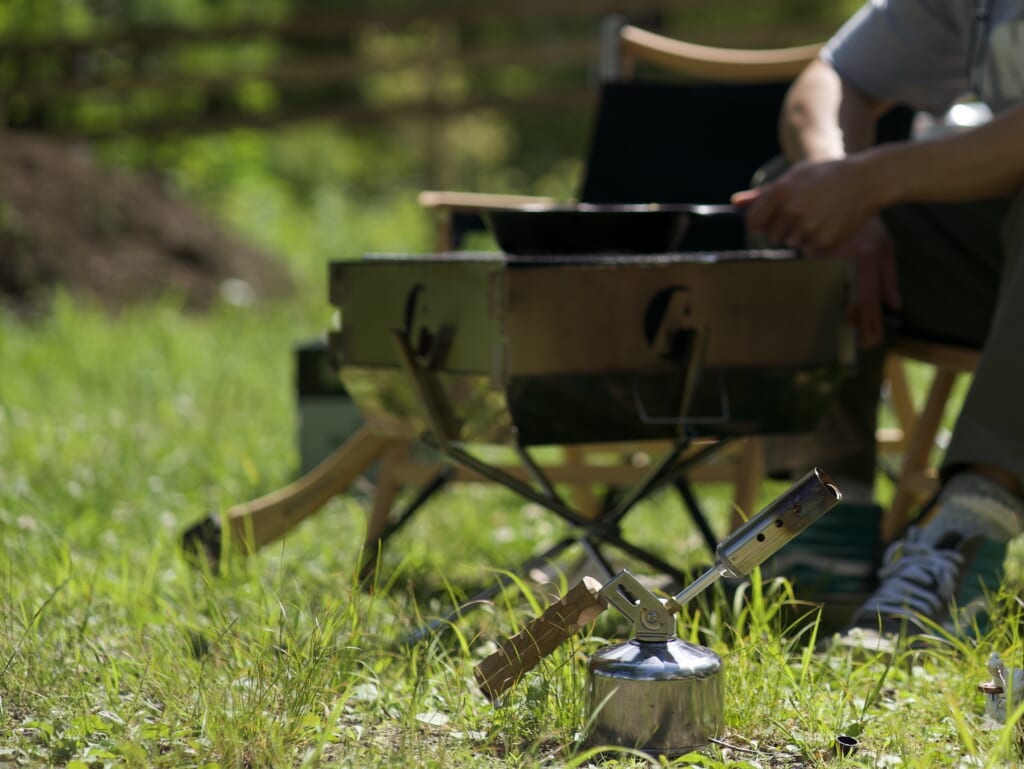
[[67, 221]]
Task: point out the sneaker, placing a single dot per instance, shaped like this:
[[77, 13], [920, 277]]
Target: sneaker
[[925, 585]]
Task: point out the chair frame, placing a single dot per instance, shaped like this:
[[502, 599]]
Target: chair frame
[[915, 438]]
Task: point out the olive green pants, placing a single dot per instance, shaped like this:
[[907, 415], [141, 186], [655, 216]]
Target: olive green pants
[[961, 277]]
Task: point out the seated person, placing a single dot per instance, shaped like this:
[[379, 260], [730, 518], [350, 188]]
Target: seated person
[[936, 230]]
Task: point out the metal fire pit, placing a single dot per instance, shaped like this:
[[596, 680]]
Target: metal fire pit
[[562, 350]]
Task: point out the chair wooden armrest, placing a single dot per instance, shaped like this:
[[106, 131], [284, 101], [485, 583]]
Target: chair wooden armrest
[[705, 62], [474, 201], [943, 356], [448, 203]]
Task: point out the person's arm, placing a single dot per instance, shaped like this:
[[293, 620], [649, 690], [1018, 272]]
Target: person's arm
[[983, 162], [819, 203], [825, 118]]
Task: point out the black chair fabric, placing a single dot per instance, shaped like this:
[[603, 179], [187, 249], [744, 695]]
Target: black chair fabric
[[671, 142], [679, 143], [674, 142]]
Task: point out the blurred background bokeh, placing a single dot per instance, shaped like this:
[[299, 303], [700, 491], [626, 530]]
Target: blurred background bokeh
[[302, 127]]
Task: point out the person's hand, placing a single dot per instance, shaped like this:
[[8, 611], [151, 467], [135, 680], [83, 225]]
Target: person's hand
[[830, 209], [813, 205], [870, 248]]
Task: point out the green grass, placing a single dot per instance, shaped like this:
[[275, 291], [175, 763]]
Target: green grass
[[117, 432]]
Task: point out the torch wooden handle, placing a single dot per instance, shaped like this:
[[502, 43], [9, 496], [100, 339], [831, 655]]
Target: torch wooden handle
[[521, 653]]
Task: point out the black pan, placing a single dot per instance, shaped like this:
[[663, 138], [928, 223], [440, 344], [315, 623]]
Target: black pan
[[583, 228]]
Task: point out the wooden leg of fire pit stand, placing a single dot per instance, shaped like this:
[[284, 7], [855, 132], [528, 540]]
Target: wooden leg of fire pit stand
[[582, 493], [387, 487], [258, 522]]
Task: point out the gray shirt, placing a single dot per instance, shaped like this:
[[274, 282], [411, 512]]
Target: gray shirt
[[919, 52]]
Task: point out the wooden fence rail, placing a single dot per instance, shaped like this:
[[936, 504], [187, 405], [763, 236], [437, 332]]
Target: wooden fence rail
[[357, 64], [153, 79]]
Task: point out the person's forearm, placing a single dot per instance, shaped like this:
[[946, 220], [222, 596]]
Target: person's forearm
[[824, 118], [984, 162]]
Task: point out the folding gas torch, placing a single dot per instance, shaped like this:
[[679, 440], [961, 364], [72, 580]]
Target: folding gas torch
[[653, 617]]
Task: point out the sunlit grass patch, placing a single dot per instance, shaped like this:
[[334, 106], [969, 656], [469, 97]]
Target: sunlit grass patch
[[116, 432]]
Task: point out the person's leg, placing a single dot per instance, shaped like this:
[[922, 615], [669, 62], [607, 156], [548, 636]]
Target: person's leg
[[973, 299], [973, 296], [990, 429], [948, 261], [956, 266], [949, 258]]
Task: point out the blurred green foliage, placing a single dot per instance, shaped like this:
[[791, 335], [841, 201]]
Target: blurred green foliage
[[54, 18], [329, 189], [310, 193]]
